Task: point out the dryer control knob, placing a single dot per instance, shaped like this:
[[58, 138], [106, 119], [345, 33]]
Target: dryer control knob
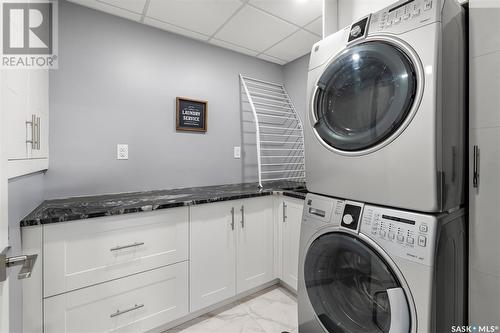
[[356, 31], [347, 219]]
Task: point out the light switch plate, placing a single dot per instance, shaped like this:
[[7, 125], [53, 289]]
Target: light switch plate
[[122, 152], [237, 152]]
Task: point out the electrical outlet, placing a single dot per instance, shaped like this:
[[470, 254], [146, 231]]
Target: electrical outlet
[[121, 152], [237, 152]]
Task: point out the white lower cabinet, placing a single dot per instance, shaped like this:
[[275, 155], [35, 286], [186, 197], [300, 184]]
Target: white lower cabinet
[[231, 249], [290, 218], [135, 303], [255, 243], [212, 254]]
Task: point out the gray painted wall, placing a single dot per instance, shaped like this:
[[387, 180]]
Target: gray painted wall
[[116, 83], [295, 79]]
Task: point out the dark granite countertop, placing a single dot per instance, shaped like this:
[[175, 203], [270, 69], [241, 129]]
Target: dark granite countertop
[[78, 208]]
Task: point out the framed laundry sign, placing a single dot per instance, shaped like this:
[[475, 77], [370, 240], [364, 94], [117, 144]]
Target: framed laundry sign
[[191, 115]]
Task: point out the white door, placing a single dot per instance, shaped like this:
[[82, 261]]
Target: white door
[[4, 240], [255, 244], [291, 218], [212, 253]]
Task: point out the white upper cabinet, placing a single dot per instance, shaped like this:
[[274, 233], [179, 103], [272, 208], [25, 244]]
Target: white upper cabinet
[[25, 99], [255, 245], [290, 217]]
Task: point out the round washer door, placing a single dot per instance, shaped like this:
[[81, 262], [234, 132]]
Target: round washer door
[[364, 96], [352, 289]]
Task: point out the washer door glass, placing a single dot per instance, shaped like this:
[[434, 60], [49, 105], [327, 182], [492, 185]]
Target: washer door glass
[[364, 96], [350, 287]]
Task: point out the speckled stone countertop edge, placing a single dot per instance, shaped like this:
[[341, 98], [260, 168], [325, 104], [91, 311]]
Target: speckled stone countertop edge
[[74, 209]]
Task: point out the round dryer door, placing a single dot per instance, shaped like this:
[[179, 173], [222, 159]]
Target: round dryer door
[[352, 289], [364, 96]]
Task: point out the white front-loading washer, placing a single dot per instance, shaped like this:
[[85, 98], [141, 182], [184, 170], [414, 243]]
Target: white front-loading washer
[[386, 118], [370, 269]]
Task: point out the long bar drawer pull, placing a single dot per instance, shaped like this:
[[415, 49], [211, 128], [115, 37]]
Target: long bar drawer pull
[[126, 246], [118, 312]]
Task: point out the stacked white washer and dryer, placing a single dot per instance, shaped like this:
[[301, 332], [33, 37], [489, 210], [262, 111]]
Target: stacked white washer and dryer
[[383, 236]]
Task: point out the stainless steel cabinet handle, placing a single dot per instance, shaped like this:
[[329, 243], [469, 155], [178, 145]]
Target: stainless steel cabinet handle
[[475, 175], [232, 218], [27, 262], [126, 246], [284, 212], [38, 133], [242, 210], [32, 124], [120, 312]]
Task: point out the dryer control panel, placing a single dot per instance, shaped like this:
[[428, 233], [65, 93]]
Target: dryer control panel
[[404, 16], [403, 234]]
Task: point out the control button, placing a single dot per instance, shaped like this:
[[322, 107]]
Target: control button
[[392, 235], [423, 228], [410, 240], [422, 241], [348, 219], [416, 12], [374, 231], [382, 233], [406, 16], [397, 20], [388, 23], [401, 238], [428, 5], [356, 31]]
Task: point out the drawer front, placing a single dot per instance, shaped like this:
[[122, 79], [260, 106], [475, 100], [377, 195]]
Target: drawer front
[[135, 303], [81, 254]]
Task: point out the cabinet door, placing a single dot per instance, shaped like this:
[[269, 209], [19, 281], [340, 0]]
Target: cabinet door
[[255, 244], [484, 228], [212, 254], [38, 104], [14, 102], [291, 218]]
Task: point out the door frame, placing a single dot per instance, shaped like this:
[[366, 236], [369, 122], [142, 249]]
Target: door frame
[[4, 224]]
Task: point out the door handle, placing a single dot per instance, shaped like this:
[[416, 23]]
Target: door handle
[[32, 124], [284, 212], [242, 210], [400, 314], [232, 218], [475, 175], [27, 262]]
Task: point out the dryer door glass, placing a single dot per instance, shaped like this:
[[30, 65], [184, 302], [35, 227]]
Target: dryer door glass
[[349, 286], [364, 96]]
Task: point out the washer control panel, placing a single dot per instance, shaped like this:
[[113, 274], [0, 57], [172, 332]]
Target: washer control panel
[[404, 234], [404, 16]]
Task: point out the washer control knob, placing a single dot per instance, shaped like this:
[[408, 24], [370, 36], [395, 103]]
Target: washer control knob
[[356, 31], [347, 219]]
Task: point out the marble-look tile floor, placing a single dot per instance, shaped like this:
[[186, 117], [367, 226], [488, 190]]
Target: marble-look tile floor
[[272, 310]]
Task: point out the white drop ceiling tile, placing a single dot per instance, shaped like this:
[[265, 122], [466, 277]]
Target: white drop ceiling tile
[[272, 59], [316, 26], [172, 28], [108, 9], [233, 47], [136, 6], [255, 29], [200, 16], [293, 47], [298, 12]]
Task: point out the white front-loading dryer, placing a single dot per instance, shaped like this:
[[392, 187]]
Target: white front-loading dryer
[[386, 114], [371, 269]]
